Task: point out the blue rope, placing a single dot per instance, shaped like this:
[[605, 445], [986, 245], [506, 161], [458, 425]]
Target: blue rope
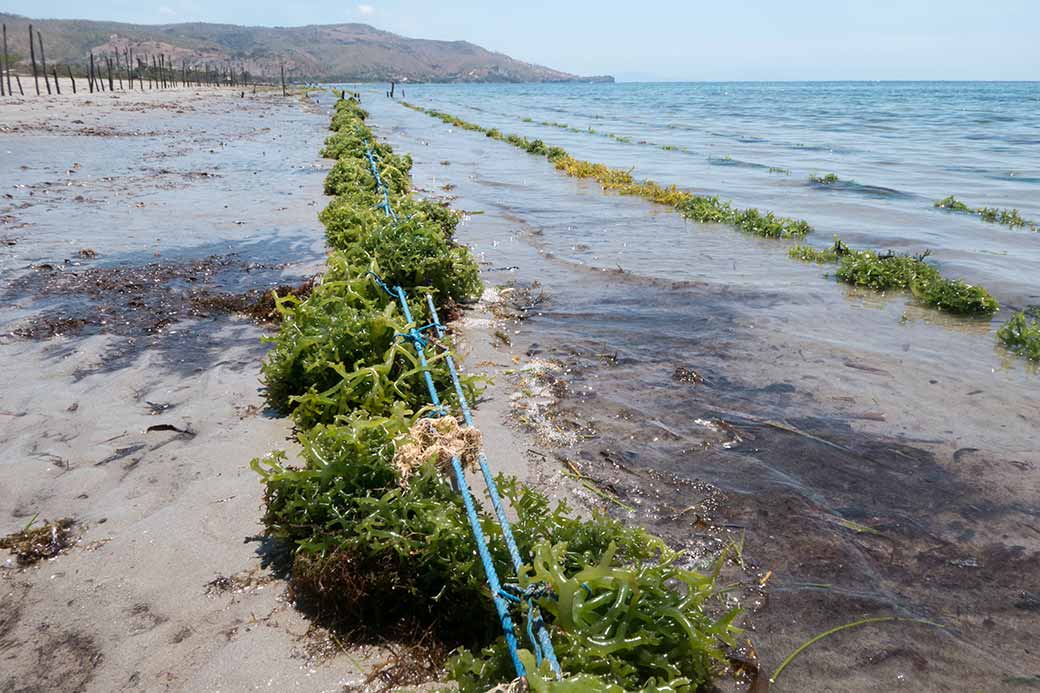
[[467, 499], [380, 186], [542, 645]]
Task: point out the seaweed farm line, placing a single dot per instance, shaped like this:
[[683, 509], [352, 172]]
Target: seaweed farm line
[[877, 456], [905, 146]]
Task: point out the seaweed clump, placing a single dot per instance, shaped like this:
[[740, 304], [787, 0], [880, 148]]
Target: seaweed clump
[[381, 541], [1008, 217], [46, 541], [886, 271], [1021, 336], [829, 179]]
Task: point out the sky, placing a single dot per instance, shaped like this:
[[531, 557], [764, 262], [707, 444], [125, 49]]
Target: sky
[[666, 39]]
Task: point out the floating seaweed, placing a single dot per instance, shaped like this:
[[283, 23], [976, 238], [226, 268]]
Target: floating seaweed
[[1021, 336], [829, 179], [1008, 217], [862, 268]]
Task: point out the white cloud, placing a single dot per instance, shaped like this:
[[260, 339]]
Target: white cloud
[[167, 11], [366, 10]]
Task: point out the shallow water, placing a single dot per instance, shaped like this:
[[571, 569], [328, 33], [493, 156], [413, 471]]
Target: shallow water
[[903, 145], [880, 458]]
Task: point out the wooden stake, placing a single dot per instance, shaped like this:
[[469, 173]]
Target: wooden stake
[[3, 66], [7, 61], [57, 87], [129, 74], [18, 79], [115, 58], [71, 78], [283, 79], [32, 56], [91, 78], [43, 59]]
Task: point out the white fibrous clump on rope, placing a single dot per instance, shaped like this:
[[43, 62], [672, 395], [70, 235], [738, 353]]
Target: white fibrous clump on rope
[[438, 440]]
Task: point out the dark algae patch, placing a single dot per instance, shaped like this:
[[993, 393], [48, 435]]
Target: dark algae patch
[[385, 549], [34, 544]]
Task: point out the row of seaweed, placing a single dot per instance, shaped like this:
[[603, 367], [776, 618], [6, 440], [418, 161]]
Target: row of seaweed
[[880, 271], [1007, 217], [382, 547], [952, 296]]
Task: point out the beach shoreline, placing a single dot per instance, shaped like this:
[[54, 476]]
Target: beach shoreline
[[143, 432]]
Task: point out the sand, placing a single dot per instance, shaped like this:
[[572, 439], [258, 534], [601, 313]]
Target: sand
[[142, 428]]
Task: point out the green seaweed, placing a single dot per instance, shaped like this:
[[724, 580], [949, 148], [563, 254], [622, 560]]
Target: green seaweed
[[878, 271], [884, 272], [1008, 217], [1021, 336], [390, 555], [807, 253], [829, 179]]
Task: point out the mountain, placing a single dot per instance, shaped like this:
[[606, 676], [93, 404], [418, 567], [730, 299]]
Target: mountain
[[326, 53]]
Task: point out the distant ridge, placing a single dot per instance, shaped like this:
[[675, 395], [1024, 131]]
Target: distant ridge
[[326, 53]]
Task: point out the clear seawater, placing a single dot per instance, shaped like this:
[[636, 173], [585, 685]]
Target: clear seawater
[[897, 146]]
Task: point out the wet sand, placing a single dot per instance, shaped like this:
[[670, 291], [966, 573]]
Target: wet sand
[[140, 424]]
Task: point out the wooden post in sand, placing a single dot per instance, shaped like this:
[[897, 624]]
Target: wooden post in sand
[[129, 74], [57, 87], [3, 69], [71, 78], [283, 79], [32, 56], [21, 92], [115, 59], [111, 85], [7, 62], [43, 60], [91, 78]]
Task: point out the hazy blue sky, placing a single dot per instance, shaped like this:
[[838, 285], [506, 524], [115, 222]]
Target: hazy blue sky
[[668, 39]]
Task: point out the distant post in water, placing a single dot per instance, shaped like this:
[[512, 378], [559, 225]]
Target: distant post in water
[[32, 57], [71, 78], [90, 79], [43, 60]]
